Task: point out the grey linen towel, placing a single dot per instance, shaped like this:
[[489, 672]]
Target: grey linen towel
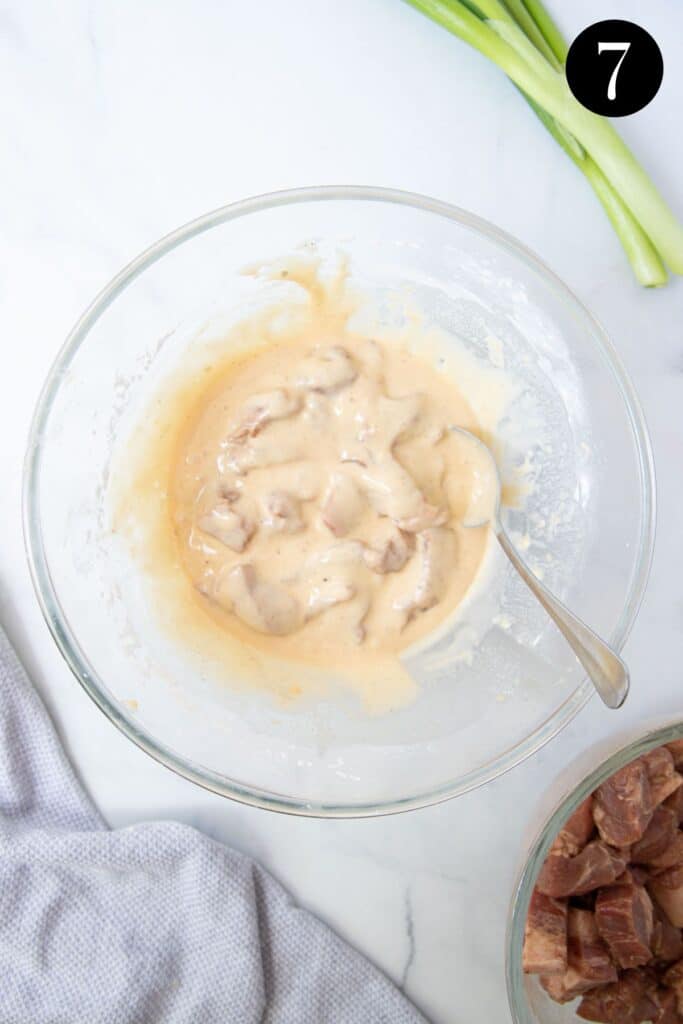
[[152, 923]]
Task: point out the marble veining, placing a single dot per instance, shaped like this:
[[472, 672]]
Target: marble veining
[[410, 935]]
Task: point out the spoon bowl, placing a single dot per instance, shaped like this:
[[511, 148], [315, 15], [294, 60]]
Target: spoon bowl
[[605, 668], [483, 508]]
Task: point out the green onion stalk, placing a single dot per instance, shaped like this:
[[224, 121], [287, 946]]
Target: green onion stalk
[[523, 40]]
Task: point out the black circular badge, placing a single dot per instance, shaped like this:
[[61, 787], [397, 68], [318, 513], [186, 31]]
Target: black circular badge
[[614, 67]]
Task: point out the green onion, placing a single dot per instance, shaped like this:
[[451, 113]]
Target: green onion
[[548, 28], [522, 39], [520, 13], [642, 255]]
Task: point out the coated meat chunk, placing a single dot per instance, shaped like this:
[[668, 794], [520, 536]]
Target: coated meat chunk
[[238, 457], [392, 492], [266, 607], [343, 504], [435, 555], [261, 410], [282, 513], [395, 417], [391, 552], [326, 369], [227, 525], [327, 594], [624, 805]]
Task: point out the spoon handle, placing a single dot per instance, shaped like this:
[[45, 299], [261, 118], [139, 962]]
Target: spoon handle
[[604, 666]]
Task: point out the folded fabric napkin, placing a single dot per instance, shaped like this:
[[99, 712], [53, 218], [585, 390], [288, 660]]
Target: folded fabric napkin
[[152, 923]]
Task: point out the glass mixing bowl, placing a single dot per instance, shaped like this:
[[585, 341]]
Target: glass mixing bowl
[[529, 1004], [589, 517]]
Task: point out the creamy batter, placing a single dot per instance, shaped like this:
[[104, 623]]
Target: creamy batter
[[309, 489], [317, 495]]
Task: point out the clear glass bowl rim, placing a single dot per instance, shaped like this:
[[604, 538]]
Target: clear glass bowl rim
[[608, 765], [65, 637]]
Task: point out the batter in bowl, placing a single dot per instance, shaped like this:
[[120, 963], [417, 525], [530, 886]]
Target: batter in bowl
[[317, 494], [298, 501]]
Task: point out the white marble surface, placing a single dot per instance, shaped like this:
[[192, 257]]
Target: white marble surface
[[121, 121]]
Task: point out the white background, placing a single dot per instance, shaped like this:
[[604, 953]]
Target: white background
[[120, 121]]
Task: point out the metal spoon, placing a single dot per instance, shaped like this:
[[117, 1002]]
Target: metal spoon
[[607, 671]]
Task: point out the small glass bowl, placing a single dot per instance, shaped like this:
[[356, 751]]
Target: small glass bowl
[[472, 720], [529, 1004]]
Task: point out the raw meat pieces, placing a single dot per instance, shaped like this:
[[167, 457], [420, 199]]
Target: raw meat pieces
[[624, 805], [605, 920], [545, 936]]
